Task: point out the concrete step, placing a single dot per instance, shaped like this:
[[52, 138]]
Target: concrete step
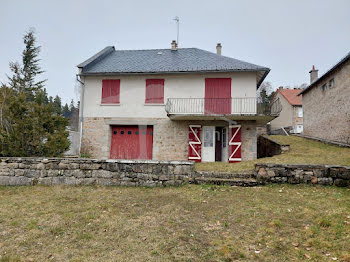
[[243, 174], [224, 181]]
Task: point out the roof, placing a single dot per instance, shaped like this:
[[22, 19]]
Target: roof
[[291, 95], [165, 61], [337, 65]]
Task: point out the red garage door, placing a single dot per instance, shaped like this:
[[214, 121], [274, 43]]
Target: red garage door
[[132, 142]]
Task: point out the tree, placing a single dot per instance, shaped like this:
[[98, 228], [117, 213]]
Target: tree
[[65, 111], [265, 95], [57, 105], [29, 125], [71, 106]]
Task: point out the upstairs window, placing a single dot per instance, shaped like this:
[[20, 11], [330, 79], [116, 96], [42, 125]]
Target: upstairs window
[[110, 91], [154, 91], [331, 83], [300, 112], [324, 87]]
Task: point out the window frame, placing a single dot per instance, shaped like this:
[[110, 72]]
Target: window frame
[[153, 101], [111, 99], [300, 111]]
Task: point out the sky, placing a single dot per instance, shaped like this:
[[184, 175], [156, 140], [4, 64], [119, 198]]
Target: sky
[[286, 36]]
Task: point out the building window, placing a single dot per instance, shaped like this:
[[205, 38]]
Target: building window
[[154, 91], [331, 83], [299, 128], [324, 87], [110, 91], [300, 112]]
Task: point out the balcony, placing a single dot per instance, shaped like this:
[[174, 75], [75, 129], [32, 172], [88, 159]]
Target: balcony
[[241, 108]]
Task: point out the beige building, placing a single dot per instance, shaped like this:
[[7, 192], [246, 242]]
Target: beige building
[[291, 116], [326, 103], [171, 104]]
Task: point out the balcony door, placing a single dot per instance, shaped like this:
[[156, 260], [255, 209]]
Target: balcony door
[[217, 96]]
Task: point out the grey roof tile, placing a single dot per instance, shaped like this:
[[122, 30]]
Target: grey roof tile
[[165, 61]]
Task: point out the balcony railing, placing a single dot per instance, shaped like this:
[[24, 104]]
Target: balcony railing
[[222, 106]]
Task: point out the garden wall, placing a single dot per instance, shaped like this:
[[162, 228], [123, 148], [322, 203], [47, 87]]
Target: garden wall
[[296, 174], [31, 171]]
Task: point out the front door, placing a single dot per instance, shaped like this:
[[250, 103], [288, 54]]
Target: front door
[[217, 96], [208, 149]]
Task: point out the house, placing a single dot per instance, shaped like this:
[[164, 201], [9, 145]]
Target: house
[[326, 103], [170, 104], [291, 116]]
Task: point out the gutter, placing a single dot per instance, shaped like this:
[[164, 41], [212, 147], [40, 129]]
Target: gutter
[[81, 110]]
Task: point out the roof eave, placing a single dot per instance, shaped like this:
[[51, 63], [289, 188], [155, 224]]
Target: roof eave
[[267, 70], [341, 62]]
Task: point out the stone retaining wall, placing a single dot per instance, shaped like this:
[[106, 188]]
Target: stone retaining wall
[[31, 171], [296, 174]]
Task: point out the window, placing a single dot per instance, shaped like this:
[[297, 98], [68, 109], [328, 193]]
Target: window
[[331, 83], [324, 87], [208, 138], [154, 91], [110, 91], [299, 128], [300, 112]]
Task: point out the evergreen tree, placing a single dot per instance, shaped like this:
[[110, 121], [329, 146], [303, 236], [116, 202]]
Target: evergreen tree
[[71, 106], [65, 110], [28, 123], [57, 104]]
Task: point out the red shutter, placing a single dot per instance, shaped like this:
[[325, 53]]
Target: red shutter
[[217, 96], [154, 91], [194, 143], [235, 144], [110, 91]]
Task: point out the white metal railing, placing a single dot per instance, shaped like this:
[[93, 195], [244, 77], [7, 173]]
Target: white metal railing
[[225, 106]]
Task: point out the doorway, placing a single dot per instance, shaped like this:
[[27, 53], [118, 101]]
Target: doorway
[[215, 147]]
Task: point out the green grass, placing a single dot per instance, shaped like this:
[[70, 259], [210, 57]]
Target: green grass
[[189, 223], [302, 151]]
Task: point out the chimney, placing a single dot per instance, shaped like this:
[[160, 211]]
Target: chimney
[[173, 45], [218, 48], [313, 74], [281, 87]]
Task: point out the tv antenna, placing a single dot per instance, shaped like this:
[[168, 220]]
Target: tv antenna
[[177, 20]]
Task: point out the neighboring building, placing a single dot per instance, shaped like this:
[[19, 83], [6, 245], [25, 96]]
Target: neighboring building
[[170, 104], [291, 116], [326, 103]]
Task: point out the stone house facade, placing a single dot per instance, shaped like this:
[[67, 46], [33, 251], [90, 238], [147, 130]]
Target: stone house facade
[[291, 116], [326, 103], [170, 104]]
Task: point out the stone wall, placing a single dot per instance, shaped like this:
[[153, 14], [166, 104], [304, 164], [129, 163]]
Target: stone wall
[[297, 174], [268, 147], [327, 112], [31, 171], [170, 138]]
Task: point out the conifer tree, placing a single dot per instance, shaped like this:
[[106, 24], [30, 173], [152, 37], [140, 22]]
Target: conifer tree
[[29, 125]]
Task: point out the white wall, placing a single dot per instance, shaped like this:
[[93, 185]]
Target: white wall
[[133, 89]]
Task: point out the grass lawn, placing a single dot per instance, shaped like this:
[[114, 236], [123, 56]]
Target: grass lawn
[[302, 151], [188, 223]]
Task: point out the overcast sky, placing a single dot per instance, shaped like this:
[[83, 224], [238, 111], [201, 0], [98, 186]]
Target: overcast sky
[[286, 36]]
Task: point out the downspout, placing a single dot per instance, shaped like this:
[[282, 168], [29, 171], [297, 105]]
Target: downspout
[[81, 109]]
